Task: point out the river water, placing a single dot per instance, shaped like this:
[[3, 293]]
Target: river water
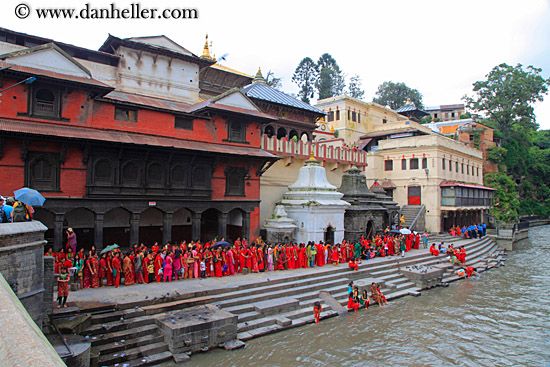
[[500, 318]]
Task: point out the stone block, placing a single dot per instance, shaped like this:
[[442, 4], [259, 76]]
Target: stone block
[[424, 277], [276, 306]]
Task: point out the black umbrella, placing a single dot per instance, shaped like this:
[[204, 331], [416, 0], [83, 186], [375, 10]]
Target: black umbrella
[[223, 244]]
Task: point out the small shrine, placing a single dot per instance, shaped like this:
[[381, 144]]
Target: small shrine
[[315, 205], [280, 228], [369, 212]]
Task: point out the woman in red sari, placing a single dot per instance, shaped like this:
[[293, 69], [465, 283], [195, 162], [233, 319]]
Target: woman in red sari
[[94, 263], [127, 269], [416, 241], [260, 257], [303, 256], [103, 269], [217, 261], [290, 257], [109, 272], [116, 269], [87, 273]]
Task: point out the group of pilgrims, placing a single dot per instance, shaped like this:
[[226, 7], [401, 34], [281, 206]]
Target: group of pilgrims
[[196, 260]]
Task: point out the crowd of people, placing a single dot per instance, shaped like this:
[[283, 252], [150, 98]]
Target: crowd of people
[[358, 299], [196, 260], [476, 230], [12, 210]]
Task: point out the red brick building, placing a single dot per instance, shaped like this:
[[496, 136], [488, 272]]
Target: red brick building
[[120, 146]]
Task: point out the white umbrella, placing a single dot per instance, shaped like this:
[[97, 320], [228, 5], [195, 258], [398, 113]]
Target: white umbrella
[[405, 231]]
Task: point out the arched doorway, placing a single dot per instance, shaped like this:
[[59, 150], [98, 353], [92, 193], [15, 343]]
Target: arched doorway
[[292, 134], [269, 131], [329, 235], [150, 226], [116, 227], [281, 133], [209, 225], [305, 138], [82, 221], [234, 225], [369, 230], [181, 225], [47, 218]]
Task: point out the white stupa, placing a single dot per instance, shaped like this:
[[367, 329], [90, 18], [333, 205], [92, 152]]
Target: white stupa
[[315, 205]]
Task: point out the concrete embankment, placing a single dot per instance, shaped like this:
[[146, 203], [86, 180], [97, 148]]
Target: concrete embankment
[[144, 324]]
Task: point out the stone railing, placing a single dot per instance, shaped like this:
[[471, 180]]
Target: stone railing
[[322, 152]]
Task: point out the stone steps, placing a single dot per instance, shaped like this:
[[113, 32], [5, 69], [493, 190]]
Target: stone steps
[[132, 353], [117, 347], [119, 325], [116, 315], [116, 336], [151, 360]]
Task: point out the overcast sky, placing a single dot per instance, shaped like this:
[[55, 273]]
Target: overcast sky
[[438, 47]]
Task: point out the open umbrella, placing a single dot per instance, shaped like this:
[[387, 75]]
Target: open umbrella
[[223, 244], [109, 248], [29, 196], [395, 231], [405, 231]]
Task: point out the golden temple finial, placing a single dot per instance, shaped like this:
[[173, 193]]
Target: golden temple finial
[[206, 51], [311, 156], [259, 78]]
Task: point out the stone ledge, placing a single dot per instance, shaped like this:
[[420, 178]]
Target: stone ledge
[[10, 229]]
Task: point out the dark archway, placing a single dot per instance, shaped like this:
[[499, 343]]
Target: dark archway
[[329, 235], [182, 225], [47, 218], [234, 225], [281, 133], [209, 224], [369, 229], [82, 221], [150, 226], [269, 131], [292, 134], [116, 227]]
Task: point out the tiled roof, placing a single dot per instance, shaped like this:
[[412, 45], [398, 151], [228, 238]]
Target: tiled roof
[[388, 184], [85, 133], [40, 73], [266, 93], [147, 101], [446, 183]]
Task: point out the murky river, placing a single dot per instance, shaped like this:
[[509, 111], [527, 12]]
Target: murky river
[[501, 318]]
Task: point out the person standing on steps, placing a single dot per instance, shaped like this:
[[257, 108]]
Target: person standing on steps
[[317, 311]]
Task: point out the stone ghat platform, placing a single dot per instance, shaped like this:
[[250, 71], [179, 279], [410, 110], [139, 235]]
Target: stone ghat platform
[[125, 325]]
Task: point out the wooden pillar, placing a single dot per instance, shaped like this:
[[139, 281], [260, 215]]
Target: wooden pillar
[[134, 228], [167, 228], [196, 226], [222, 225], [98, 231], [58, 232], [246, 226]]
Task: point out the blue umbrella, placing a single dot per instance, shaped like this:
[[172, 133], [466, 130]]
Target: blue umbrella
[[29, 196], [223, 244]]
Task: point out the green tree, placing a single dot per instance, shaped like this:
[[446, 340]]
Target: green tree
[[305, 76], [395, 95], [507, 98], [355, 87], [331, 81]]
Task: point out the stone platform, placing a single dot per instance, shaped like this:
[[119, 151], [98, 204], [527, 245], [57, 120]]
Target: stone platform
[[424, 277], [197, 329]]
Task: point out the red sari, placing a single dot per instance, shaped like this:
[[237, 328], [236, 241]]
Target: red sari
[[127, 268], [217, 266], [116, 271], [95, 276], [86, 275]]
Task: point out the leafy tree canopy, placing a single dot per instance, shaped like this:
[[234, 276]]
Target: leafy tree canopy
[[305, 76], [395, 95]]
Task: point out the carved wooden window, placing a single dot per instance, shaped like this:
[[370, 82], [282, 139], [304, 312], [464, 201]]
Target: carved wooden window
[[103, 172], [42, 171], [237, 131], [183, 123], [45, 102], [337, 115], [130, 174], [234, 181], [403, 164], [388, 165], [155, 174], [180, 176]]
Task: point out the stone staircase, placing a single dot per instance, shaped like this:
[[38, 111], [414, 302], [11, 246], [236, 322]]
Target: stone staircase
[[129, 335], [410, 212]]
